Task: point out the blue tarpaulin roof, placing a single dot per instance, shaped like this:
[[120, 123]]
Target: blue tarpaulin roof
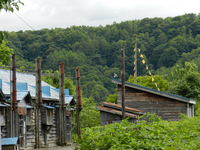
[[22, 86], [9, 141], [26, 82], [66, 91], [46, 90]]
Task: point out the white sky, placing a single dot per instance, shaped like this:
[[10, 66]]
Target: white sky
[[65, 13]]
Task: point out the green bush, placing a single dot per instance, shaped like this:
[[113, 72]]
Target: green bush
[[143, 135]]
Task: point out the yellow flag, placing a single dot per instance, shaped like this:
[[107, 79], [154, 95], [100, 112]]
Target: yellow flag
[[142, 56], [143, 61]]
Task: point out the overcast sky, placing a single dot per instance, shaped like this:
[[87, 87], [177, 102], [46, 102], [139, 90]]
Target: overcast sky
[[65, 13]]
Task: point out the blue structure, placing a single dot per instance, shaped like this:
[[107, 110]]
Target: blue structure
[[9, 141]]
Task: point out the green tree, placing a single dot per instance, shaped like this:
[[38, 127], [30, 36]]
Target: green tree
[[90, 116], [54, 81], [148, 82], [111, 98], [5, 53], [8, 5]]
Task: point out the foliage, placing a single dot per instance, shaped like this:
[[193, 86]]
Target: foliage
[[90, 116], [184, 79], [147, 82], [97, 49], [5, 53], [99, 93], [111, 98], [54, 81], [10, 5], [155, 135]]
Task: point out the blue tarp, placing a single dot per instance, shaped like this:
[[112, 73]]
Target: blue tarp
[[9, 141], [22, 86], [66, 91], [46, 91]]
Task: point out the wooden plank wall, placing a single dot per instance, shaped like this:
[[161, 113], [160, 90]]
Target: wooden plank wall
[[166, 108], [107, 118], [48, 134]]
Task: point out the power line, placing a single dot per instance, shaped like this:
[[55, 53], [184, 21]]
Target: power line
[[24, 21]]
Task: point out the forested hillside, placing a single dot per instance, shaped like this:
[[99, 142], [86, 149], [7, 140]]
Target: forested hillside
[[164, 42]]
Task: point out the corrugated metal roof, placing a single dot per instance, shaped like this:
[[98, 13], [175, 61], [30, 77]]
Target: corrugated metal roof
[[3, 105], [30, 80], [9, 141], [21, 95], [153, 91], [68, 99], [116, 112], [119, 107]]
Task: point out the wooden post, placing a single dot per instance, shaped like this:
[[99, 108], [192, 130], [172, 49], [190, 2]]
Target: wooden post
[[13, 117], [135, 63], [123, 81], [62, 107], [14, 91], [79, 102], [38, 102]]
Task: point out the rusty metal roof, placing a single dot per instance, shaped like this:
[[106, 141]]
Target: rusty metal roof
[[117, 110], [119, 107]]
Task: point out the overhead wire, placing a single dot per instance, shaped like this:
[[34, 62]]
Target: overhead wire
[[24, 21]]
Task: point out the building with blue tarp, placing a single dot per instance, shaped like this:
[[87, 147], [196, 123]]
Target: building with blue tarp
[[26, 104]]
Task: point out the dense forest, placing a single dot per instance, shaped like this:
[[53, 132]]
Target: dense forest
[[164, 43]]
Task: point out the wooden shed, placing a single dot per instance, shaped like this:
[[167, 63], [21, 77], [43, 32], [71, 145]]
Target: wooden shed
[[167, 106], [110, 113]]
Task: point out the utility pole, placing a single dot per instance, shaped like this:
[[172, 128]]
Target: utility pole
[[62, 106], [123, 81], [13, 119], [79, 102], [38, 102], [135, 63]]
